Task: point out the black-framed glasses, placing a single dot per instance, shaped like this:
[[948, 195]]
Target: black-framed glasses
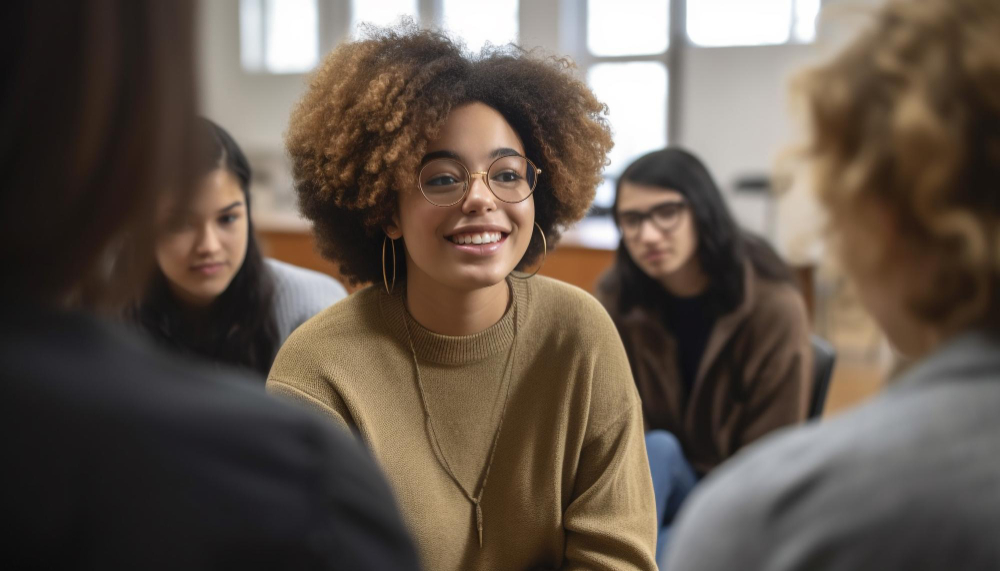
[[445, 182], [665, 217]]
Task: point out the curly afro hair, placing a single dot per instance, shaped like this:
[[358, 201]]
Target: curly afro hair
[[357, 136], [908, 117]]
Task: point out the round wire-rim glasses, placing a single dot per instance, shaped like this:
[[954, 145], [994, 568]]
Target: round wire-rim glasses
[[665, 217], [446, 182]]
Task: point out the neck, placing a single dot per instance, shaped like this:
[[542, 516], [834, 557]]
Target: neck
[[193, 309], [450, 311], [688, 281]]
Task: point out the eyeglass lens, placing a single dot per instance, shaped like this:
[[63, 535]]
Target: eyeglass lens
[[444, 182], [665, 217]]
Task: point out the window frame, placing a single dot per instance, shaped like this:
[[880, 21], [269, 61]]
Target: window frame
[[672, 60]]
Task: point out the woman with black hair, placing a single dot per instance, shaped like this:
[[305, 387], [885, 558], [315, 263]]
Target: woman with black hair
[[214, 294], [716, 333]]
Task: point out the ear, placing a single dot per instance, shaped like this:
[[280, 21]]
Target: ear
[[393, 230]]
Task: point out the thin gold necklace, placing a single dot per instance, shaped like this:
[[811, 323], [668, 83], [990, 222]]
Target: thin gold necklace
[[505, 375]]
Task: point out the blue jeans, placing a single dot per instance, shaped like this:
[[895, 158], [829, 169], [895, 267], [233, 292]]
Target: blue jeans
[[673, 480]]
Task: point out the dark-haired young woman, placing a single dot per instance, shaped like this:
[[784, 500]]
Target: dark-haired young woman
[[214, 294], [715, 330]]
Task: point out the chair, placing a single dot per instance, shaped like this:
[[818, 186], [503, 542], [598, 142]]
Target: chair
[[824, 357]]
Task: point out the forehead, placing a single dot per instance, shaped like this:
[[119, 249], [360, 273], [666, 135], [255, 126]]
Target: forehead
[[632, 196], [473, 131], [216, 190]]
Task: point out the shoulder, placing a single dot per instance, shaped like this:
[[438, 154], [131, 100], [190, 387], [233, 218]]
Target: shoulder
[[293, 280], [575, 329], [773, 298], [802, 492], [112, 389], [336, 330], [567, 305], [778, 306]]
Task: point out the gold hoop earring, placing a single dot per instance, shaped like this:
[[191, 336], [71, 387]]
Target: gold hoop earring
[[545, 255], [385, 279]]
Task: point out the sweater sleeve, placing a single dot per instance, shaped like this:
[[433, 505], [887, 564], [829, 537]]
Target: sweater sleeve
[[610, 521], [327, 403], [779, 392]]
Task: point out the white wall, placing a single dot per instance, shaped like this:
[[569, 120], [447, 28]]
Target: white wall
[[254, 108]]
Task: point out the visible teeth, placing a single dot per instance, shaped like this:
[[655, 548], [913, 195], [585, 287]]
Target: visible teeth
[[481, 238]]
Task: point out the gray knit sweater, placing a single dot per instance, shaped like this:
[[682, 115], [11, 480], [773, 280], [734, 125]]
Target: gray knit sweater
[[908, 481], [300, 294]]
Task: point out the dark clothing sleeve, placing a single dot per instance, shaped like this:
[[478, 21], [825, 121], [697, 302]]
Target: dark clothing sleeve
[[780, 388]]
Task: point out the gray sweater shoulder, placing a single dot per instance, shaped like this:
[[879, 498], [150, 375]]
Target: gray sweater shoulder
[[300, 294], [906, 481]]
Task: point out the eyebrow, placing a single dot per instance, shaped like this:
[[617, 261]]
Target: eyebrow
[[230, 207], [503, 152], [654, 207], [445, 154]]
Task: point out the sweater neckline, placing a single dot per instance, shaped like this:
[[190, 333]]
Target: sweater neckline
[[450, 349]]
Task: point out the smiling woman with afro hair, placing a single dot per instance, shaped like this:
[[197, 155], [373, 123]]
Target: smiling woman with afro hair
[[357, 137], [501, 407]]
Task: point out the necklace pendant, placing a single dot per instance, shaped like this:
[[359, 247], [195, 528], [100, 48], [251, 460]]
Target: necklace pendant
[[479, 524]]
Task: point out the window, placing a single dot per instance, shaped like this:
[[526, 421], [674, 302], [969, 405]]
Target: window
[[627, 28], [279, 36], [625, 58], [380, 13], [716, 23], [480, 22], [284, 36], [636, 96]]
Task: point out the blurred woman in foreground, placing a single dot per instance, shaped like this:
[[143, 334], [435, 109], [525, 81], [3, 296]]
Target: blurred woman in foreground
[[905, 150]]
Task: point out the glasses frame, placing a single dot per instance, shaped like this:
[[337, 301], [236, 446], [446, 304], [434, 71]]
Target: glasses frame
[[681, 206], [484, 174]]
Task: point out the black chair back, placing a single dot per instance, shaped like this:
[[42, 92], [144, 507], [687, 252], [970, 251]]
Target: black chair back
[[824, 357]]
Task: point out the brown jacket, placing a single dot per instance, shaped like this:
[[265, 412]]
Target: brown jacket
[[755, 375]]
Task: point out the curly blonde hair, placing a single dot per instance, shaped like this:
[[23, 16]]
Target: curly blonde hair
[[908, 117], [357, 136]]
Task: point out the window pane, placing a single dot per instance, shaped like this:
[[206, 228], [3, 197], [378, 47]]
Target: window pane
[[381, 13], [252, 34], [292, 36], [627, 27], [739, 22], [636, 95], [480, 22], [806, 12]]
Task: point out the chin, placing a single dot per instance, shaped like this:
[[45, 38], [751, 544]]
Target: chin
[[479, 279], [659, 273]]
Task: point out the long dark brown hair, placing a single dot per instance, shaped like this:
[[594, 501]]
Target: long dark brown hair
[[723, 248], [96, 106], [240, 328]]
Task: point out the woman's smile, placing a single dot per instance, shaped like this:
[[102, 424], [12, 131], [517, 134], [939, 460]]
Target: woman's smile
[[479, 240]]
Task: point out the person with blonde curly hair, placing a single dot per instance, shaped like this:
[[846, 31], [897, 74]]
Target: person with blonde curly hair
[[500, 405], [904, 146]]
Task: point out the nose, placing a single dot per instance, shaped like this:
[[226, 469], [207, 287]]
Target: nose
[[480, 198], [208, 241], [648, 233]]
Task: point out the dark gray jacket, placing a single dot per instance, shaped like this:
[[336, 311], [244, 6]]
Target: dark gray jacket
[[119, 456]]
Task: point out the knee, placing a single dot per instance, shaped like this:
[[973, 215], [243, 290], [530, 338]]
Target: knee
[[663, 446]]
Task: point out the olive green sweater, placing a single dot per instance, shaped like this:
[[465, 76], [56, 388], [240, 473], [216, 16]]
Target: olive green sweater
[[569, 484]]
